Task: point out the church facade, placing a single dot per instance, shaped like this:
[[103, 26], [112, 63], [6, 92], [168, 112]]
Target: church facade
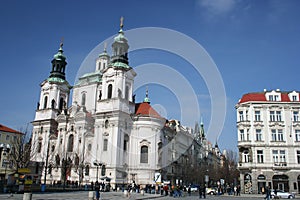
[[104, 135]]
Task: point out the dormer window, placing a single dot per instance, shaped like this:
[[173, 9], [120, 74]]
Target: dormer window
[[294, 98], [273, 97]]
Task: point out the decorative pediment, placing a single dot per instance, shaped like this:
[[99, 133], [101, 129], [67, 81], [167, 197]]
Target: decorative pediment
[[278, 124], [145, 142], [89, 134], [296, 124], [258, 124], [105, 134]]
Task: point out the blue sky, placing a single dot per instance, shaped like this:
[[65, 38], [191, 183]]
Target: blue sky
[[255, 44]]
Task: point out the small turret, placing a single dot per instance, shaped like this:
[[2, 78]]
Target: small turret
[[103, 60], [58, 64], [146, 99], [120, 49]]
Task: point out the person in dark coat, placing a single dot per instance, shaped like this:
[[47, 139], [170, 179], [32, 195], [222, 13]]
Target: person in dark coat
[[97, 190], [200, 191], [204, 191]]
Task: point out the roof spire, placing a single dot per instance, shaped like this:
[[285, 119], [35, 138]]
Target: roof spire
[[121, 23], [146, 99], [59, 63], [61, 43], [105, 45], [147, 91]]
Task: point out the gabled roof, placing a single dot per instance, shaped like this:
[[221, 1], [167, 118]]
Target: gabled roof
[[9, 130], [145, 109]]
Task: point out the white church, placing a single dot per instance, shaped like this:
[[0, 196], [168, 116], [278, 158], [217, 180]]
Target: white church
[[104, 134]]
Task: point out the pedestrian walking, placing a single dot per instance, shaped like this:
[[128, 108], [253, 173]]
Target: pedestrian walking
[[200, 192], [97, 190], [189, 190], [204, 192], [238, 190], [268, 193]]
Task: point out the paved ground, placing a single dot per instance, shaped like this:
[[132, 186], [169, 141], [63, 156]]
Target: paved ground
[[83, 195]]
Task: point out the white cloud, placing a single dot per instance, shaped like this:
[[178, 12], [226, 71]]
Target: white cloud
[[217, 7]]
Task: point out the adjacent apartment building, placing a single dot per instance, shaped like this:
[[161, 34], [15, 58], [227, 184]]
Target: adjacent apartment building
[[268, 128]]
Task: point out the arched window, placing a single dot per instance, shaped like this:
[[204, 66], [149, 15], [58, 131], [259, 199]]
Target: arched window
[[106, 124], [105, 143], [144, 154], [39, 147], [53, 104], [127, 92], [126, 140], [87, 170], [45, 102], [109, 91], [246, 156], [70, 143], [103, 170], [61, 104], [83, 99]]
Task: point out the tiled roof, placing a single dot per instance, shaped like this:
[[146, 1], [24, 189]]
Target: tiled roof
[[7, 129], [253, 97], [261, 96], [145, 109]]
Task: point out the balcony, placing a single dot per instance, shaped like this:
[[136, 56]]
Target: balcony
[[245, 166], [243, 123], [280, 166]]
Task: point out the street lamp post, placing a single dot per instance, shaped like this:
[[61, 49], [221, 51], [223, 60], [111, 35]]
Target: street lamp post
[[4, 148], [97, 164]]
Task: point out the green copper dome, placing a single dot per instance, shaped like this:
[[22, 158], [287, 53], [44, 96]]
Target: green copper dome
[[103, 54], [120, 37], [59, 55], [146, 100], [121, 65]]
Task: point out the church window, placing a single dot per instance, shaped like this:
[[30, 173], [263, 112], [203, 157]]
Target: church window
[[104, 65], [144, 154], [109, 91], [61, 104], [45, 102], [83, 99], [127, 92], [126, 139], [70, 143], [89, 147], [105, 143], [39, 147], [99, 65], [106, 124], [87, 170], [52, 148], [53, 104], [103, 170], [159, 145]]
